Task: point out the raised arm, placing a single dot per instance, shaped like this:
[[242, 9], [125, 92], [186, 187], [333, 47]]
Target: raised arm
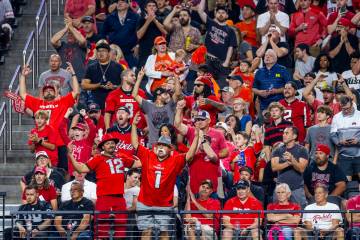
[[78, 36], [167, 22], [79, 167], [178, 124], [177, 92], [201, 11], [26, 70], [308, 89], [55, 40], [192, 150], [134, 135], [135, 92], [74, 81]]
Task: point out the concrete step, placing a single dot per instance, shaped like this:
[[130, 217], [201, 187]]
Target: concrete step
[[10, 180]]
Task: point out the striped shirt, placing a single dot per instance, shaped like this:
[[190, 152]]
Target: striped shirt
[[274, 133]]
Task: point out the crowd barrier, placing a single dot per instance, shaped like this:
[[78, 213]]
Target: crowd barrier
[[178, 224]]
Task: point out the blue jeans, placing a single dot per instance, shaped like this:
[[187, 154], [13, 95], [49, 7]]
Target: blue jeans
[[287, 232]]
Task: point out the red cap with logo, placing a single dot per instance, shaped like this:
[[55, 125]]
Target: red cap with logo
[[323, 148]]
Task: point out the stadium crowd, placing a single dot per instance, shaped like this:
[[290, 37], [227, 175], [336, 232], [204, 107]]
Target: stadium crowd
[[197, 105]]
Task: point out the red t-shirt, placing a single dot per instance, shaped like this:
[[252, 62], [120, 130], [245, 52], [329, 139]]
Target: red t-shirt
[[124, 145], [291, 206], [299, 114], [208, 204], [261, 165], [354, 204], [213, 111], [250, 160], [244, 220], [82, 148], [45, 194], [218, 141], [250, 29], [48, 135], [197, 174], [158, 178], [109, 171], [56, 110], [119, 98]]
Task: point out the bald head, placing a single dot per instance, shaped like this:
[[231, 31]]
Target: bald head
[[270, 58]]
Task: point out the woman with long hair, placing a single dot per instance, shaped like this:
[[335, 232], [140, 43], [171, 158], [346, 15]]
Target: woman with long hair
[[240, 110], [323, 66]]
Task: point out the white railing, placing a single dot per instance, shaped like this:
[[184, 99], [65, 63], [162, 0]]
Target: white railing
[[3, 131]]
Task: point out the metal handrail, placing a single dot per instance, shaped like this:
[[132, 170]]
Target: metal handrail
[[3, 131], [30, 54], [38, 30]]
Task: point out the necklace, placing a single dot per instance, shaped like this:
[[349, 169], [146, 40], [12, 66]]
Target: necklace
[[104, 72]]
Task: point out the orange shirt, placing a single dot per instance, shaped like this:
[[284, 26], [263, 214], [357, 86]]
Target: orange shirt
[[250, 29], [162, 63]]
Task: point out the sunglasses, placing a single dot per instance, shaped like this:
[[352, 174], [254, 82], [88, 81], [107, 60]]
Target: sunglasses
[[198, 85]]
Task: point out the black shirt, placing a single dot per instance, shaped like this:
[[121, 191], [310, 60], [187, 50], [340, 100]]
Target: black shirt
[[329, 177], [74, 219], [36, 219], [102, 74], [286, 59], [147, 41], [219, 38], [274, 133], [342, 60]]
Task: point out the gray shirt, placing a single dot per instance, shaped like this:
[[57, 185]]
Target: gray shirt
[[319, 135], [61, 78], [157, 116], [305, 67], [289, 175]]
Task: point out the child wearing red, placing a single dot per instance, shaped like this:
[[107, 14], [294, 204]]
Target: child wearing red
[[42, 137], [82, 141], [245, 155]]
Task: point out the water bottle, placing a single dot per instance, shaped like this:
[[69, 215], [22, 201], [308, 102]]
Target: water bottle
[[241, 161], [198, 229]]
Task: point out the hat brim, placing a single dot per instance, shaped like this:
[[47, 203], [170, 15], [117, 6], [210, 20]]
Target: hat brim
[[160, 42], [165, 144], [80, 128], [42, 155], [103, 142]]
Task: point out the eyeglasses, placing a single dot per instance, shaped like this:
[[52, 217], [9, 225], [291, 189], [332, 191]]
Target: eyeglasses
[[198, 85]]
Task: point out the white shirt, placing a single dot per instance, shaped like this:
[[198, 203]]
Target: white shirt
[[352, 80], [129, 194], [281, 17], [89, 191], [329, 79], [322, 220]]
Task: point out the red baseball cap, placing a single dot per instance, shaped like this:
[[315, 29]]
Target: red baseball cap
[[344, 22], [159, 39], [48, 86], [323, 148], [79, 126], [106, 138], [205, 80], [40, 170]]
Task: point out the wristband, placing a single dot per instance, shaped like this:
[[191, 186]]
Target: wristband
[[73, 75]]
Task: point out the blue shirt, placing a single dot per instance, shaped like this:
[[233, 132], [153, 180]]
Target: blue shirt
[[266, 79], [123, 35]]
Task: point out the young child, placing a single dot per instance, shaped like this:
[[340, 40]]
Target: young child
[[245, 155], [179, 66], [244, 71], [42, 137], [81, 138]]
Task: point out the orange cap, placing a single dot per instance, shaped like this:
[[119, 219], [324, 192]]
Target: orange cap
[[159, 39]]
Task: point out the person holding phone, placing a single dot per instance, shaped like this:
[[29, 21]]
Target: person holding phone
[[345, 133]]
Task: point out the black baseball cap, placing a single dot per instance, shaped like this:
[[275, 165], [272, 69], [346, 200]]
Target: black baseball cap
[[236, 78], [124, 109], [103, 44], [87, 19], [242, 184], [247, 169]]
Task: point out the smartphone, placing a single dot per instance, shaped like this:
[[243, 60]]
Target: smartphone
[[342, 10]]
